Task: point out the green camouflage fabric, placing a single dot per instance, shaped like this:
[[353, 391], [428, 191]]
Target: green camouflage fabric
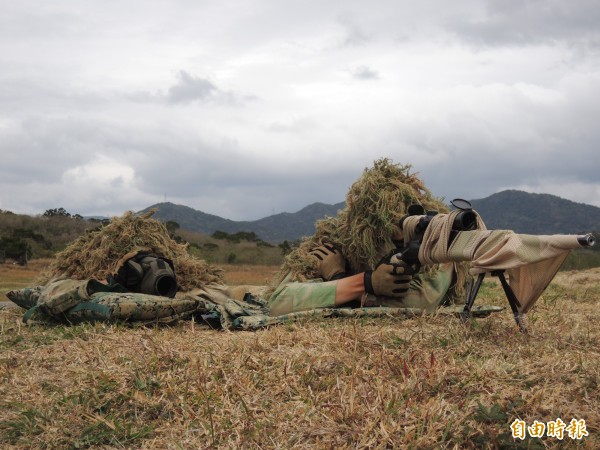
[[259, 321], [89, 300], [25, 298], [133, 307], [427, 292], [291, 297], [74, 301]]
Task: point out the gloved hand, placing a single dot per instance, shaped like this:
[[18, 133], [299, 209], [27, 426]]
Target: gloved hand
[[388, 280], [332, 264]]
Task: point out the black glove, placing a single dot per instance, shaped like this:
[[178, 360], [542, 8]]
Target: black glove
[[388, 280], [332, 264]]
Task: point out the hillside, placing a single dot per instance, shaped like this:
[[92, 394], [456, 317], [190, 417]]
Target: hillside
[[536, 213], [275, 228], [23, 236]]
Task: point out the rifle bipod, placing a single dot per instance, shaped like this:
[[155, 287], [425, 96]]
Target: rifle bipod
[[513, 301]]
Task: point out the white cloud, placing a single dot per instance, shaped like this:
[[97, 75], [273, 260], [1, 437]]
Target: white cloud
[[101, 172]]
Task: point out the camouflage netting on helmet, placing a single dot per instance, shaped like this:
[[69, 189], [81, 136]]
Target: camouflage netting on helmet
[[96, 254], [365, 228]]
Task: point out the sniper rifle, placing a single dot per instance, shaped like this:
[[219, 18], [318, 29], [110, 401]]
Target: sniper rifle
[[464, 220]]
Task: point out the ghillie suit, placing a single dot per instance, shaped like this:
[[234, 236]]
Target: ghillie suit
[[364, 230], [79, 283], [96, 254]]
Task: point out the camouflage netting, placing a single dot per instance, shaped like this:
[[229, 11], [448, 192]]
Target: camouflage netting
[[365, 228], [95, 254]]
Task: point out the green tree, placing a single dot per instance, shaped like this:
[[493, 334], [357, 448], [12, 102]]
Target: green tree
[[172, 227], [285, 248], [56, 212], [15, 247], [222, 235]]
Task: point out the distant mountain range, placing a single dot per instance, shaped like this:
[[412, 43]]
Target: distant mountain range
[[515, 210], [275, 228]]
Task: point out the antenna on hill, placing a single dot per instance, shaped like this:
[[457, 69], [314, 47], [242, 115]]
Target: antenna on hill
[[165, 197]]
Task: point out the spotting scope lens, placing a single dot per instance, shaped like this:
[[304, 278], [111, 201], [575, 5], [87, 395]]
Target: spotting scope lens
[[148, 274], [159, 278]]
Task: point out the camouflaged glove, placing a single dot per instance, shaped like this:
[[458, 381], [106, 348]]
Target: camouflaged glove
[[388, 280], [332, 265]]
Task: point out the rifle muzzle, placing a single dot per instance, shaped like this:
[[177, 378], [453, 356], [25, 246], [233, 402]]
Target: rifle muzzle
[[587, 240]]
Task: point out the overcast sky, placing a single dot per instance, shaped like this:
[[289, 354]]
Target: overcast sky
[[248, 108]]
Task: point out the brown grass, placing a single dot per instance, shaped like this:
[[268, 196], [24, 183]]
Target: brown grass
[[420, 383], [578, 278], [257, 275], [14, 276]]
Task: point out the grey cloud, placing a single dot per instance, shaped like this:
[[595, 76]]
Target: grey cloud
[[300, 125], [38, 148], [234, 182], [473, 154], [190, 88], [530, 22], [251, 194], [470, 150], [49, 95], [354, 34], [365, 73], [41, 21]]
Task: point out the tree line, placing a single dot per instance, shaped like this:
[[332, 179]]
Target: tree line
[[23, 237]]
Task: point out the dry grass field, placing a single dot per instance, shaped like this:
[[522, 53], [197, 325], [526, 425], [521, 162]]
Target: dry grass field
[[13, 276], [428, 382], [257, 275]]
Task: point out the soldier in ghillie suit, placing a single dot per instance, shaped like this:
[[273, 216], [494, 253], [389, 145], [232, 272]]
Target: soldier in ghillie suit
[[130, 271], [347, 261]]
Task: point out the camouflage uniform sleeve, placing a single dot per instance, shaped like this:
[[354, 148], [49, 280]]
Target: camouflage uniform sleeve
[[59, 295], [427, 290], [291, 297]]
